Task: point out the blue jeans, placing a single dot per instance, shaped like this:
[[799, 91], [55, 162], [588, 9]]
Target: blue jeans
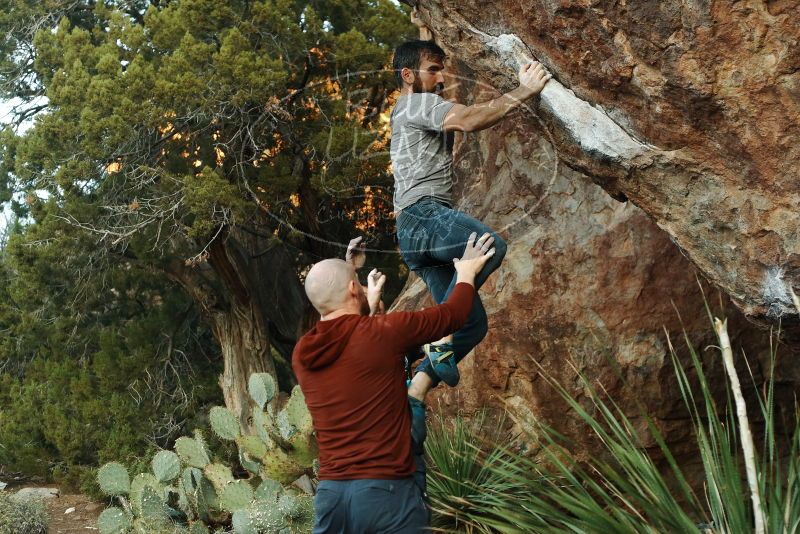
[[431, 235], [369, 507]]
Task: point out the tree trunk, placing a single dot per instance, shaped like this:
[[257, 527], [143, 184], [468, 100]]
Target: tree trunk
[[249, 292], [245, 350]]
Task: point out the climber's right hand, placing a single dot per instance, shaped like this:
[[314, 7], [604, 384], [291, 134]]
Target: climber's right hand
[[533, 77], [476, 254]]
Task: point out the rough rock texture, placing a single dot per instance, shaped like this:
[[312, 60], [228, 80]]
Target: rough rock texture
[[689, 109], [588, 277]]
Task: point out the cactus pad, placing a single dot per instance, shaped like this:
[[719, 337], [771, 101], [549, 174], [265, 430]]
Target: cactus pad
[[295, 506], [192, 452], [224, 423], [219, 475], [138, 484], [113, 521], [151, 505], [268, 491], [248, 463], [166, 466], [285, 427], [279, 466], [113, 479], [263, 424], [297, 411], [262, 388], [304, 449], [254, 446], [236, 496], [242, 523]]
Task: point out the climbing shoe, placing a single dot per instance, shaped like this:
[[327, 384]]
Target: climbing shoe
[[443, 362]]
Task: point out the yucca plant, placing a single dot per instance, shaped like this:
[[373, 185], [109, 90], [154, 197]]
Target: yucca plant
[[464, 482], [627, 492]]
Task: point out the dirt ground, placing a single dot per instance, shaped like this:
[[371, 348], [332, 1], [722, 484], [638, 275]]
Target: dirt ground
[[82, 520]]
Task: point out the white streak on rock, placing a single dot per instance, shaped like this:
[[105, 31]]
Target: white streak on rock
[[596, 133], [775, 293]]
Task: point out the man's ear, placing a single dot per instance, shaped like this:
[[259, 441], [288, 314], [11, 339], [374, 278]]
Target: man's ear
[[407, 75], [351, 287]]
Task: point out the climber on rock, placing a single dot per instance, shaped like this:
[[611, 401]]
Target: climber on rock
[[350, 369], [429, 229]]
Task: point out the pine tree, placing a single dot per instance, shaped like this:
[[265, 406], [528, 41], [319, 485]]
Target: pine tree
[[225, 145]]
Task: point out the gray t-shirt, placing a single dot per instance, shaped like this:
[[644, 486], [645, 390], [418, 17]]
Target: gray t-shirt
[[422, 153]]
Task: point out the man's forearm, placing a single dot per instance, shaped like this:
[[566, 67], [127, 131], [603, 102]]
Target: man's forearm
[[486, 114]]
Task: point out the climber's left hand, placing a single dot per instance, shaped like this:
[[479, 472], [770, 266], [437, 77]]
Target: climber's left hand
[[375, 283], [356, 252]]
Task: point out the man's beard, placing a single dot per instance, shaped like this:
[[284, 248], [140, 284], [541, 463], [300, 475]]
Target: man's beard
[[417, 87]]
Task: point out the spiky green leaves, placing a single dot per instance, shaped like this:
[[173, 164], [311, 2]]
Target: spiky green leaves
[[113, 479], [224, 423], [262, 388], [166, 466]]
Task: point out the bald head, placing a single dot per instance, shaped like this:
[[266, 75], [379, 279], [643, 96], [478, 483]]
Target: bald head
[[328, 285]]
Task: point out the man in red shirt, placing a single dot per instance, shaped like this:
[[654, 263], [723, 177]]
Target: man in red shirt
[[351, 370]]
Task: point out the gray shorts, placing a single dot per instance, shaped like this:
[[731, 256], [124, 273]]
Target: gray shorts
[[370, 507]]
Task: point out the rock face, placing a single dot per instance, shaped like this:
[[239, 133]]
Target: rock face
[[689, 110], [665, 106]]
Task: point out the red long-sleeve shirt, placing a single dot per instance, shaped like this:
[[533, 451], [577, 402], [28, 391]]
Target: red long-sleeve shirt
[[351, 372]]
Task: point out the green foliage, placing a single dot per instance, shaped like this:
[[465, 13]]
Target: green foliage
[[21, 517], [95, 366], [623, 490], [465, 475]]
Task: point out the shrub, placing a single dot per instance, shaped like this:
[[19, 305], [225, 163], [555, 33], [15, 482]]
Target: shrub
[[21, 517]]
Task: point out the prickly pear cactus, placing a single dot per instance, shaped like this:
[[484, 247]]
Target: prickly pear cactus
[[166, 466], [192, 452], [189, 493], [113, 479], [261, 387], [224, 423], [114, 521], [236, 496]]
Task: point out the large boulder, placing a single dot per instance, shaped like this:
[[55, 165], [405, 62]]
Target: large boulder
[[654, 174], [689, 110]]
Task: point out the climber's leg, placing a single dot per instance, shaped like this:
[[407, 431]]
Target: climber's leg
[[430, 236]]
